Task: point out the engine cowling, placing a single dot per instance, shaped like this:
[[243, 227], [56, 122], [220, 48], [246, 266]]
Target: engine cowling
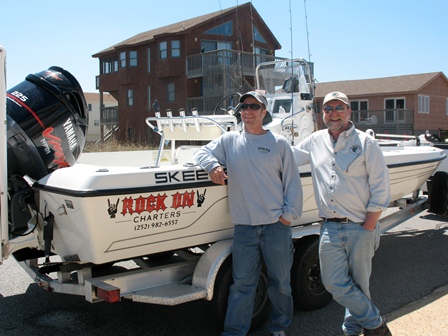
[[47, 123]]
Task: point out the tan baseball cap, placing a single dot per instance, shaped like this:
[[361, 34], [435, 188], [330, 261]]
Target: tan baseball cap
[[336, 95]]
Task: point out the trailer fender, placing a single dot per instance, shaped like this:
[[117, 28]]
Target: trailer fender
[[207, 268]]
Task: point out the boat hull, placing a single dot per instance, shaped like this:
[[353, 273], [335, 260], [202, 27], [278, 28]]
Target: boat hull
[[104, 214]]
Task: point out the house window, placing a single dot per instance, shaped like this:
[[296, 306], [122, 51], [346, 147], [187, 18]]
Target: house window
[[89, 107], [133, 58], [175, 48], [163, 53], [423, 104], [149, 98], [359, 111], [446, 107], [261, 51], [170, 92], [261, 59], [123, 59], [394, 110], [257, 36], [215, 45], [224, 57], [109, 65], [149, 60], [130, 98], [225, 29]]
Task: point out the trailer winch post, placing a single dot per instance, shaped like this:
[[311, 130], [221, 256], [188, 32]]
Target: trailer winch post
[[3, 160]]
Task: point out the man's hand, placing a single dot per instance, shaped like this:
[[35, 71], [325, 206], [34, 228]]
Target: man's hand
[[284, 221], [372, 219], [218, 176]]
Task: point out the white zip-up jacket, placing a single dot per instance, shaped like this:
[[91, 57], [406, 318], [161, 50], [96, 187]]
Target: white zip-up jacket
[[350, 177]]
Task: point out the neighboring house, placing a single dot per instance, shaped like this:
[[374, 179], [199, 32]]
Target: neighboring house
[[190, 64], [93, 108], [409, 104]]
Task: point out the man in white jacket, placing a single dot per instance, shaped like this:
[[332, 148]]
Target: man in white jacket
[[351, 186]]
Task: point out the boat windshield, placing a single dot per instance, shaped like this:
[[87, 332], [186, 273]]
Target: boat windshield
[[285, 77]]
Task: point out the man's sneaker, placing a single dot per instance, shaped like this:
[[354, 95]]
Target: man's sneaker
[[382, 330], [277, 333]]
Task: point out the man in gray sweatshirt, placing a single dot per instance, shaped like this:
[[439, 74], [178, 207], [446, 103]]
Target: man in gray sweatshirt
[[265, 196]]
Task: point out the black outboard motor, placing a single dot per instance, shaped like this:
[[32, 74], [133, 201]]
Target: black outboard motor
[[47, 123]]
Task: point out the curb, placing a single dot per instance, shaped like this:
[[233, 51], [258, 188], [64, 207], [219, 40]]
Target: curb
[[427, 316]]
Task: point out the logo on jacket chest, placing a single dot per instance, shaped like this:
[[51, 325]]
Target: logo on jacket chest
[[263, 150]]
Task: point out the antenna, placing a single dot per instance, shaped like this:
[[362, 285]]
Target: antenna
[[290, 28], [307, 33]]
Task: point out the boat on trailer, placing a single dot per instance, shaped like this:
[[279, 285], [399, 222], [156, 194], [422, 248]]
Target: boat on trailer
[[106, 207]]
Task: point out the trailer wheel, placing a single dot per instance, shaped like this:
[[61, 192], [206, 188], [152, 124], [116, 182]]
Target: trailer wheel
[[438, 193], [308, 290], [221, 294]]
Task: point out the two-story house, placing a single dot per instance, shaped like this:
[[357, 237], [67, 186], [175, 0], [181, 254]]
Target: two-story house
[[185, 65]]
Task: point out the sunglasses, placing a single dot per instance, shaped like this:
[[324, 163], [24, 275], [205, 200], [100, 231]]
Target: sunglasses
[[253, 107], [339, 108]]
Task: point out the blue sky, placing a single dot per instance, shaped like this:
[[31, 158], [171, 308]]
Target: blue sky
[[348, 39]]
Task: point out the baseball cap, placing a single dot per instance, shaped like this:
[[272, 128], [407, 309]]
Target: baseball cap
[[257, 95], [336, 95]]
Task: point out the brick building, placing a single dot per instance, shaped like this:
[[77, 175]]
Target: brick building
[[190, 64], [409, 104]]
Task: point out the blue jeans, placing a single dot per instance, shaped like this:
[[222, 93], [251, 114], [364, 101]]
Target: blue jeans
[[251, 245], [346, 252]]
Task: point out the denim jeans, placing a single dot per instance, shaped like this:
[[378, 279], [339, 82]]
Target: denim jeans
[[251, 245], [346, 252]]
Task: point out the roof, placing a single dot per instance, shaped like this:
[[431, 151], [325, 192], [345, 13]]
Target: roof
[[375, 86], [175, 28], [94, 96]]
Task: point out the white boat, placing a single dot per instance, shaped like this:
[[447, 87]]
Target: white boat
[[115, 206]]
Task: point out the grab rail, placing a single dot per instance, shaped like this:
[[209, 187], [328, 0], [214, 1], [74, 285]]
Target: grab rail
[[195, 127]]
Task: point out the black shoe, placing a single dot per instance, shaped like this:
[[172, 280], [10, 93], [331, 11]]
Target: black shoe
[[382, 330]]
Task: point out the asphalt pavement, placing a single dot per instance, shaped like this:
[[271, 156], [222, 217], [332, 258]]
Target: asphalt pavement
[[409, 285]]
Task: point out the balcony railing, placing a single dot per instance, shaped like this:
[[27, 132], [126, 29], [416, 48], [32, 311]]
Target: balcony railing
[[109, 115], [246, 62], [397, 121]]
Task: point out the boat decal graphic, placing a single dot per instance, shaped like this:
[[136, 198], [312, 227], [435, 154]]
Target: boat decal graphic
[[201, 197], [155, 203], [19, 99], [180, 176], [55, 142]]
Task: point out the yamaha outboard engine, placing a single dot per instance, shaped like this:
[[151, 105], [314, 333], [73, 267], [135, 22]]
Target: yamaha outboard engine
[[47, 122]]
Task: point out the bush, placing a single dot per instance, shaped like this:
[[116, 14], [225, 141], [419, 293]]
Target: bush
[[114, 146]]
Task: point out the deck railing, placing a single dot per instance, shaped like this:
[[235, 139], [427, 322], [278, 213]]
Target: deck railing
[[246, 62], [396, 121]]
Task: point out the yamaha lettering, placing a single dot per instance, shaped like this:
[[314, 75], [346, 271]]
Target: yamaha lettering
[[180, 176]]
